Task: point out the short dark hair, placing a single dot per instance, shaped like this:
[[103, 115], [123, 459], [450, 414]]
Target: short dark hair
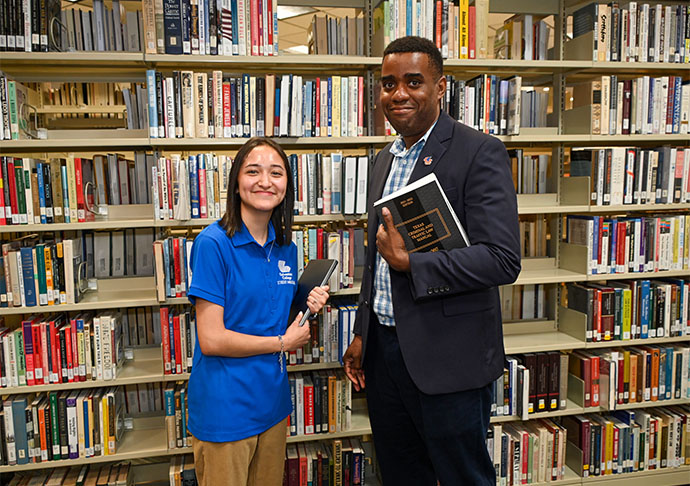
[[418, 44], [282, 215]]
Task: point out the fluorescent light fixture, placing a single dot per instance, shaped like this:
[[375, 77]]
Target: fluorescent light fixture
[[287, 11]]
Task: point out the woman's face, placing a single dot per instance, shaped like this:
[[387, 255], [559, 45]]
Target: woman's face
[[262, 180]]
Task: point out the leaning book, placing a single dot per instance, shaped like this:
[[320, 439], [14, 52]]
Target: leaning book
[[424, 217]]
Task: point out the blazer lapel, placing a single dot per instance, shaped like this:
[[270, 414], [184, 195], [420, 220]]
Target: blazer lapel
[[434, 148], [379, 180]]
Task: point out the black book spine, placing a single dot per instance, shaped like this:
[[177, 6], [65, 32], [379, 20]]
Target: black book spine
[[212, 27], [159, 104], [49, 348], [177, 94], [63, 356], [260, 106], [211, 108], [48, 193], [3, 28], [318, 188], [35, 25], [186, 30], [62, 425], [172, 20], [48, 430]]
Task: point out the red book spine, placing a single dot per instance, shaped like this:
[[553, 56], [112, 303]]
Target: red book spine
[[38, 362], [616, 438], [620, 365], [597, 316], [260, 22], [525, 456], [439, 18], [3, 183], [165, 338], [308, 410], [176, 258], [319, 243], [254, 26], [44, 352], [81, 204], [269, 26], [669, 106], [317, 126], [621, 253], [227, 114], [595, 380], [170, 194], [178, 345], [55, 345], [68, 352], [202, 193], [28, 352], [13, 190], [472, 32]]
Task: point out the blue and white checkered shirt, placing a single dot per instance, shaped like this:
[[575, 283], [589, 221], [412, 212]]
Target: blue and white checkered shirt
[[403, 164]]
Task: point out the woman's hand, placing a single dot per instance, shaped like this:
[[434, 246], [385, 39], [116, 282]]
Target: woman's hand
[[296, 336], [317, 298]]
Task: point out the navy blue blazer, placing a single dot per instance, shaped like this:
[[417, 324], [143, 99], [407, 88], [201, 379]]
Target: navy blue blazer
[[447, 308]]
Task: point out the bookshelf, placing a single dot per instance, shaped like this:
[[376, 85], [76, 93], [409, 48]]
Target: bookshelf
[[565, 263]]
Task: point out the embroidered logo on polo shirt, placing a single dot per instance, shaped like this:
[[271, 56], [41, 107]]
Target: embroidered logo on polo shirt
[[286, 277]]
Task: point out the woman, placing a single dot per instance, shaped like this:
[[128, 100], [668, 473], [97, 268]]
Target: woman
[[244, 271]]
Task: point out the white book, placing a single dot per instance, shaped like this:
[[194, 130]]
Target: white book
[[362, 184], [117, 253], [617, 175], [285, 95], [344, 105], [102, 254], [350, 181], [98, 352], [106, 348]]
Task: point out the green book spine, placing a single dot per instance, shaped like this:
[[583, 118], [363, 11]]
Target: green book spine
[[54, 425], [21, 360], [14, 116], [21, 193], [41, 265]]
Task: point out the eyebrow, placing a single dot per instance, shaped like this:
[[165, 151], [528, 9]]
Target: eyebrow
[[406, 75], [280, 166]]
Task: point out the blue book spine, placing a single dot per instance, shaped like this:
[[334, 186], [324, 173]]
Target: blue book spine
[[28, 276], [87, 435], [677, 86], [166, 266], [207, 31], [172, 22], [275, 32], [650, 111], [186, 41], [276, 124], [233, 106], [669, 372], [20, 437], [336, 163], [194, 186], [294, 160], [153, 107], [492, 106], [183, 393], [312, 244], [595, 242], [41, 192], [235, 31], [65, 195], [408, 12], [645, 296], [3, 286], [307, 108], [169, 398], [341, 323], [246, 106], [330, 108]]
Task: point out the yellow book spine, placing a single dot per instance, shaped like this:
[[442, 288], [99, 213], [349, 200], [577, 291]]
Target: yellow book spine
[[464, 29]]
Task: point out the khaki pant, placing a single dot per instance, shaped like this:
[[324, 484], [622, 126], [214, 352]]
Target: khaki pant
[[254, 461]]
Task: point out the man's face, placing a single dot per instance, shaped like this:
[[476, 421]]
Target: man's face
[[410, 93]]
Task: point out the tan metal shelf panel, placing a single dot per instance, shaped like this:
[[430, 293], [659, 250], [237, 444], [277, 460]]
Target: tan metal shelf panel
[[86, 59], [351, 291], [572, 408], [637, 342], [543, 271], [546, 204], [638, 207], [99, 225], [313, 367], [293, 62], [67, 144], [657, 477], [540, 342], [621, 276], [325, 218], [226, 143], [658, 403], [360, 426]]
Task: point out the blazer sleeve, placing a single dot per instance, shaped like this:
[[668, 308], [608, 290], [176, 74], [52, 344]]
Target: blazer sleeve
[[489, 206]]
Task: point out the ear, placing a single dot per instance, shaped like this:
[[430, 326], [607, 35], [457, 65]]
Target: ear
[[441, 85]]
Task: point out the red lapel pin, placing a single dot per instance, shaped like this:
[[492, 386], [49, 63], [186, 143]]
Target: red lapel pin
[[428, 160]]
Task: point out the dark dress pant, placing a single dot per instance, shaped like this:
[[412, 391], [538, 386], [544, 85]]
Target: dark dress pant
[[421, 438]]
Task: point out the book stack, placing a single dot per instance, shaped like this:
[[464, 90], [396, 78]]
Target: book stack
[[645, 105], [186, 104], [631, 309], [528, 452], [534, 236], [119, 474], [207, 27], [459, 31], [70, 424], [179, 339], [487, 103], [175, 405], [172, 271], [182, 471], [143, 398], [331, 334], [530, 171], [523, 302], [190, 187], [630, 175], [330, 184], [141, 326], [523, 36], [83, 28], [630, 32], [62, 349], [531, 383], [341, 461], [620, 245], [321, 403], [338, 36], [628, 441]]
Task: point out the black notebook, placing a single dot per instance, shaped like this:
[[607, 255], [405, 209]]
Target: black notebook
[[316, 274]]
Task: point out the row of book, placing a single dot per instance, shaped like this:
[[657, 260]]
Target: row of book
[[326, 463], [633, 32], [123, 253], [644, 105], [343, 244], [186, 104], [661, 374], [630, 175], [141, 326], [62, 349], [530, 171], [182, 471], [528, 452], [531, 383], [144, 398], [487, 103], [460, 31], [338, 36], [628, 441], [119, 474], [321, 403], [70, 424], [631, 309], [178, 339], [621, 245], [189, 187], [523, 36], [211, 27], [523, 302], [330, 184], [534, 236], [14, 95]]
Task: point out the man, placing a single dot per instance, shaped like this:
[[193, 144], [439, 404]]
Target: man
[[428, 337]]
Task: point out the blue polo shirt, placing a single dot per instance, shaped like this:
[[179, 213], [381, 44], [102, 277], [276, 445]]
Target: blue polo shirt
[[234, 398]]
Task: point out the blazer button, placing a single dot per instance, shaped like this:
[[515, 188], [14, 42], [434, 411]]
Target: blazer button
[[436, 289], [446, 288], [430, 291]]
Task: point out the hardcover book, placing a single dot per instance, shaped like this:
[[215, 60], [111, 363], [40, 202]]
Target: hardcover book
[[424, 217]]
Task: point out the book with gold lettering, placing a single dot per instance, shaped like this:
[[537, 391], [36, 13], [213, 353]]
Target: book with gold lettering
[[424, 217]]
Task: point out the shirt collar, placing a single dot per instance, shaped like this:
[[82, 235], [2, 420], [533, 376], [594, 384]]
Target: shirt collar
[[244, 237], [398, 148]]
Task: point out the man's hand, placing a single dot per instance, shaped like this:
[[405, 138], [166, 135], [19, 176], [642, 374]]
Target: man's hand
[[352, 359], [391, 245]]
